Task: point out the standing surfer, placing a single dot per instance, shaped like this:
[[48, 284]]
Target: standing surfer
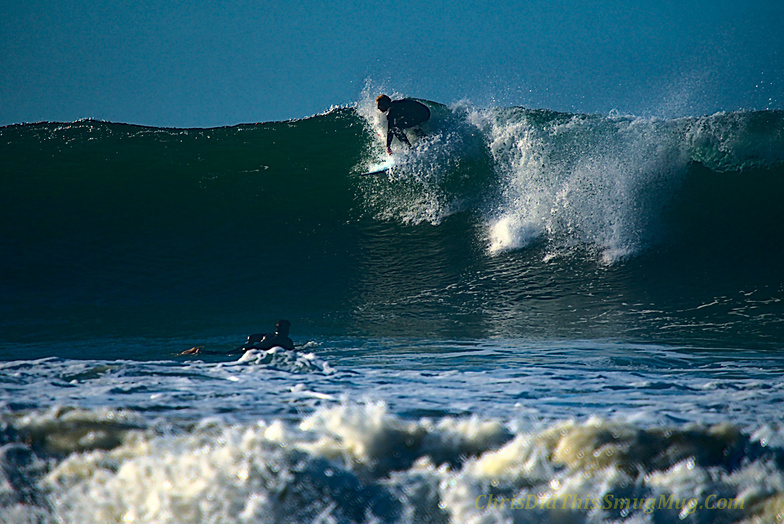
[[401, 114]]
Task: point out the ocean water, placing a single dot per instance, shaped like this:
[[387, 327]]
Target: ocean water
[[534, 317]]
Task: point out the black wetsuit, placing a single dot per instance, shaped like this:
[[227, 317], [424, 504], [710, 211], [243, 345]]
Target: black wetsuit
[[403, 114], [266, 341]]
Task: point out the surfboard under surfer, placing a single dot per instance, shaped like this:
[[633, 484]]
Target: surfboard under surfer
[[401, 114]]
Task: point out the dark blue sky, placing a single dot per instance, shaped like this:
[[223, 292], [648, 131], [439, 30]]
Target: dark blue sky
[[178, 63]]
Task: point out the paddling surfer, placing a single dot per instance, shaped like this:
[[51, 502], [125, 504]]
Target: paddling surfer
[[268, 341], [401, 114], [256, 341]]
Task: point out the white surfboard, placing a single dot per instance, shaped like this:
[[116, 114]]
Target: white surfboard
[[381, 167]]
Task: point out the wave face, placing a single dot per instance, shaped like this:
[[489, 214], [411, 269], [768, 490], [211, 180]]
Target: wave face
[[499, 222]]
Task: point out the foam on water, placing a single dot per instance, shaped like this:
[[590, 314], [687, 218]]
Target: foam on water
[[360, 463], [292, 361], [593, 433]]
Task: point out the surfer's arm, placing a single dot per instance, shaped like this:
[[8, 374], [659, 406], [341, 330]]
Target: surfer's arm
[[198, 350]]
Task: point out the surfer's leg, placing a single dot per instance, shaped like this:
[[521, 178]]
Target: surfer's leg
[[401, 136]]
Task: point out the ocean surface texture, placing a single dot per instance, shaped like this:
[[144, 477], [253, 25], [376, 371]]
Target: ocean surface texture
[[533, 317]]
